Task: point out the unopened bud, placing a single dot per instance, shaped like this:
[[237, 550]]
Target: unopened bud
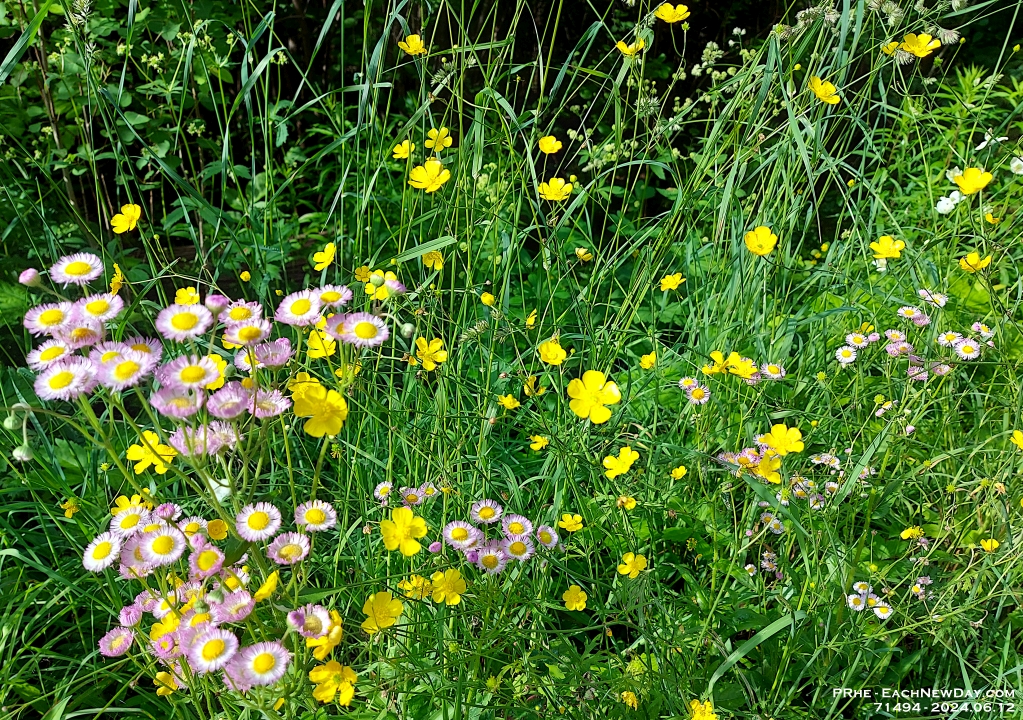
[[11, 423], [23, 453], [30, 278], [376, 280], [407, 330], [215, 596]]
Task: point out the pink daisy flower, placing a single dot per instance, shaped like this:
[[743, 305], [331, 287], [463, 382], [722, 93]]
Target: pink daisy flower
[[116, 642], [269, 403], [250, 332], [49, 318], [230, 401], [383, 490], [772, 371], [361, 329], [334, 296], [46, 354], [235, 607], [300, 308], [188, 372], [460, 535], [106, 351], [216, 303], [513, 525], [80, 332], [162, 546], [311, 621], [128, 370], [518, 547], [258, 522], [102, 552], [698, 395], [205, 562], [967, 348], [486, 511], [66, 379], [315, 515], [177, 403], [149, 346], [211, 650], [183, 322], [240, 311], [77, 269], [547, 536], [491, 558], [275, 353], [226, 435], [194, 442], [288, 548], [261, 664], [101, 307]]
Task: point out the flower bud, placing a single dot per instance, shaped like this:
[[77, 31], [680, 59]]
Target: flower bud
[[376, 280], [201, 607], [435, 547], [407, 330], [216, 304], [11, 422], [215, 596], [30, 278], [23, 453]]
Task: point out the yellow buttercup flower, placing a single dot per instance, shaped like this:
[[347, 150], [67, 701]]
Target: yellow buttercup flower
[[439, 139], [825, 91], [488, 299], [216, 529], [583, 254], [382, 611], [549, 145], [186, 296], [912, 533], [324, 257], [325, 409], [972, 180], [538, 442], [626, 502], [508, 402], [401, 531], [920, 45], [150, 453], [571, 523], [991, 218], [127, 219], [245, 276], [333, 679], [887, 248], [429, 176], [448, 587], [1017, 438], [702, 711], [575, 598], [433, 260], [591, 394], [413, 45], [403, 150], [632, 565], [531, 388], [531, 320], [630, 699], [647, 362], [679, 472], [268, 587], [783, 439], [165, 684], [760, 240], [117, 281], [989, 545], [974, 262], [70, 507], [631, 49], [555, 190], [325, 644], [671, 13], [362, 273], [615, 466], [430, 353], [890, 48], [768, 467], [551, 352], [671, 282], [320, 344]]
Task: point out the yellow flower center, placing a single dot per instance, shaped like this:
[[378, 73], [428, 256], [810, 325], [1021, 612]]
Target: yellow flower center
[[290, 551], [184, 321], [313, 625], [517, 548], [258, 520], [206, 560], [366, 330], [51, 317], [489, 561], [193, 374], [249, 333], [264, 663], [545, 537], [459, 533], [516, 528], [486, 512], [213, 649], [142, 347], [117, 642], [82, 333], [77, 268], [239, 313], [129, 521], [61, 380], [102, 550], [97, 307], [331, 296], [698, 393], [315, 516], [163, 545], [51, 353], [301, 306], [411, 498], [126, 369]]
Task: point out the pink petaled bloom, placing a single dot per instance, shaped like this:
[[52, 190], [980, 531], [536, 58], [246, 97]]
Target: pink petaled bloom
[[106, 351], [150, 346], [77, 269], [147, 600], [102, 552], [486, 511], [205, 562], [226, 435], [382, 491], [311, 621], [395, 287], [175, 403], [873, 337], [244, 357], [230, 401], [698, 395], [917, 373], [261, 664], [334, 296], [547, 536], [315, 515], [47, 319], [491, 558], [132, 564], [935, 299], [752, 379], [80, 332], [66, 379], [435, 547], [922, 320], [194, 442], [300, 308], [907, 312], [166, 647], [250, 332], [211, 649], [772, 371], [948, 339], [240, 311], [270, 403], [102, 307], [518, 547], [130, 615], [985, 332], [845, 354], [910, 429], [687, 382], [216, 304], [116, 642], [895, 335], [188, 371], [275, 353], [235, 607], [168, 512], [460, 535], [941, 369], [46, 354], [512, 525], [29, 277], [126, 371], [411, 496], [162, 546], [183, 322], [361, 329], [258, 522], [967, 348], [288, 548], [857, 340]]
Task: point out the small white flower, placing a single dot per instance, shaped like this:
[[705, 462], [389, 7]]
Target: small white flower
[[989, 140], [1016, 165], [951, 173]]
